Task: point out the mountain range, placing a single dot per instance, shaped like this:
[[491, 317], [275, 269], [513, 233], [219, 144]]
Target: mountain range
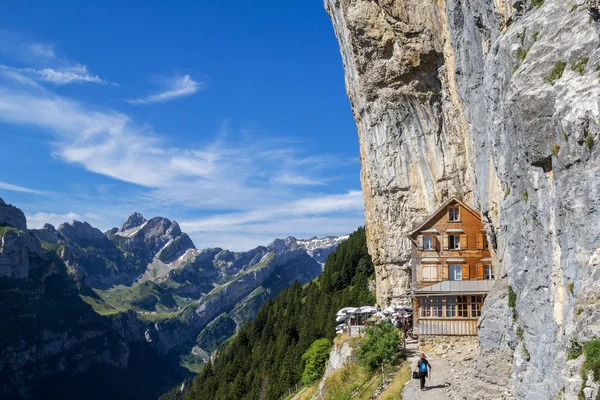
[[136, 301]]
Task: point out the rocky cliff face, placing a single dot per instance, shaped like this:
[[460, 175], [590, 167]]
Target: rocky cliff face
[[496, 102]]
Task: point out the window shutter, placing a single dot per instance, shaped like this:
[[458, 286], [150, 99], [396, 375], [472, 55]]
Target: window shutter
[[420, 242], [436, 242], [439, 272], [463, 242], [479, 271], [445, 242], [480, 241], [445, 272], [465, 272]]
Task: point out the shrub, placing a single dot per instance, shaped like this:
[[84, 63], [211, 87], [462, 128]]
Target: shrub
[[574, 349], [579, 311], [380, 346], [526, 352], [565, 137], [520, 332], [537, 3], [589, 141], [525, 196], [507, 192], [570, 286], [522, 53], [535, 36], [512, 302], [579, 65], [556, 73], [555, 150], [591, 351], [314, 359], [573, 8]]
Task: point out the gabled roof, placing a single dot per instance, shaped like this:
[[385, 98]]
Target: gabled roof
[[456, 287], [441, 209]]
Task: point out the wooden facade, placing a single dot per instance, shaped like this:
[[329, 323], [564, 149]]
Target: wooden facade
[[450, 246]]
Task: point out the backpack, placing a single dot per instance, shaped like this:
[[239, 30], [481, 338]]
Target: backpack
[[422, 366]]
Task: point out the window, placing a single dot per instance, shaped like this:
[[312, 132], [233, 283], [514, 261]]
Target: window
[[431, 307], [450, 306], [430, 272], [436, 307], [456, 272], [486, 244], [453, 214], [426, 307], [488, 272], [476, 304], [428, 242], [454, 242], [463, 306]]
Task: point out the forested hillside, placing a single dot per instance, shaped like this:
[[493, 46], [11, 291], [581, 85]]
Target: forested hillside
[[265, 358]]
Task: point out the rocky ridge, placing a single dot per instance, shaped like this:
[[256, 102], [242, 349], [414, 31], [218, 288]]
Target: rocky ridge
[[495, 103], [55, 275]]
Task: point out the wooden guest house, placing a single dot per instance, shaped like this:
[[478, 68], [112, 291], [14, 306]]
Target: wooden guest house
[[452, 271]]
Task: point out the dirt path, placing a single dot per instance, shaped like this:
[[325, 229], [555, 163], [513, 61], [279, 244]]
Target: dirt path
[[436, 384]]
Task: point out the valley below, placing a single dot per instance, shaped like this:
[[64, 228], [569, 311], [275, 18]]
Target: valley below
[[94, 309]]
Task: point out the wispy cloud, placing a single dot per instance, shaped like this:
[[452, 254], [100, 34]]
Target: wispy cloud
[[255, 187], [179, 86], [17, 188], [42, 62], [63, 76]]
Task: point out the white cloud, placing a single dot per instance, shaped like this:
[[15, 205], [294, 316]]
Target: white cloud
[[38, 219], [16, 188], [300, 180], [63, 76], [315, 216], [74, 74], [256, 187], [178, 86], [43, 63]]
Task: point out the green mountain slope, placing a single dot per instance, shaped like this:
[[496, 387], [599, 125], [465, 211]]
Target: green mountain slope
[[265, 358]]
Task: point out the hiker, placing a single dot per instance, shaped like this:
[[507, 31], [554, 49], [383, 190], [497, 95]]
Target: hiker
[[422, 365]]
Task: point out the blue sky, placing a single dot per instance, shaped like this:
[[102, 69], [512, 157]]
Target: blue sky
[[228, 117]]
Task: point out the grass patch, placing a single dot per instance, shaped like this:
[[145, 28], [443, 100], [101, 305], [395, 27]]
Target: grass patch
[[556, 73], [579, 311], [579, 65], [570, 287], [506, 193], [307, 393], [526, 353], [555, 150], [341, 384], [394, 391], [6, 228], [524, 196], [591, 351], [536, 3], [99, 306], [535, 36], [512, 302], [573, 8], [589, 141], [520, 332], [565, 137]]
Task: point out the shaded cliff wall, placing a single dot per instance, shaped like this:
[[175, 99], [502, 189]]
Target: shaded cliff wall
[[467, 98]]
